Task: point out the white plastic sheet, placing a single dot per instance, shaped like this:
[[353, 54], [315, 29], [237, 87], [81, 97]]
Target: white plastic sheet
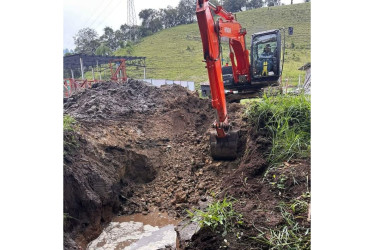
[[158, 82]]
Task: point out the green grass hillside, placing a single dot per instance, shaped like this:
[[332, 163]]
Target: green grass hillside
[[176, 53]]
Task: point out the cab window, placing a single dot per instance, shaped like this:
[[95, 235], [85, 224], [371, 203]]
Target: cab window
[[265, 56]]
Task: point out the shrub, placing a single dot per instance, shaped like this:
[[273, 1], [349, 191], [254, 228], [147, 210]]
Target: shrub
[[285, 119], [218, 214], [69, 123], [70, 141]]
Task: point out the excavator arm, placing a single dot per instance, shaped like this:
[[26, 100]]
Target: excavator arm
[[224, 142], [246, 79], [210, 41]]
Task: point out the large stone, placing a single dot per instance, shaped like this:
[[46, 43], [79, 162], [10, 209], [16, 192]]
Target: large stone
[[185, 230]]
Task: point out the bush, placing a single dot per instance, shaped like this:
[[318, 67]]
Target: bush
[[69, 123], [285, 119], [219, 214], [70, 141]]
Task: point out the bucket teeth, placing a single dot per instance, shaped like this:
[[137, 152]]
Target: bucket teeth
[[224, 148]]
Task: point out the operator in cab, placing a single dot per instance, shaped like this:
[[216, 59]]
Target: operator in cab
[[265, 61], [267, 51]]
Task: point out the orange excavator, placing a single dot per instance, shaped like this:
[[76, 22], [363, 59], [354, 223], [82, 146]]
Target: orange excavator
[[242, 77]]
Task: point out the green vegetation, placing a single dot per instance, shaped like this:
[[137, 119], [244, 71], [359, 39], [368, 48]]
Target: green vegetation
[[292, 234], [285, 119], [70, 141], [69, 123], [219, 214], [176, 53]]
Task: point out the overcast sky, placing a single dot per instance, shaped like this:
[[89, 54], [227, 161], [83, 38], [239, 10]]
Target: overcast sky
[[98, 14]]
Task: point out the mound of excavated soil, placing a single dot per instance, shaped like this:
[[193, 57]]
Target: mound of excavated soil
[[111, 101], [135, 146]]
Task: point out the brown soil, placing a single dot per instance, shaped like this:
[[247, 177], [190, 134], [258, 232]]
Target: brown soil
[[129, 135], [138, 146]]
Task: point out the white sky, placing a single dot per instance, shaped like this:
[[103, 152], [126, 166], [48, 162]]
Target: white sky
[[98, 14]]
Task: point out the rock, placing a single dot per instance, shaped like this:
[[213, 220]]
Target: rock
[[185, 230], [180, 197]]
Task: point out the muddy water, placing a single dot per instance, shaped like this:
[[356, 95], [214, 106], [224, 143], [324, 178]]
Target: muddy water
[[152, 231]]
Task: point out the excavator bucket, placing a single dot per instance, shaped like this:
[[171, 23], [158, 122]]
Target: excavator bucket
[[224, 148]]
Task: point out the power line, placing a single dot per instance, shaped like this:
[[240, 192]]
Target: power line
[[75, 24], [93, 13], [99, 15], [110, 12], [109, 3]]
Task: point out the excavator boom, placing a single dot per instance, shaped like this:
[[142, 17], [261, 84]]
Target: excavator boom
[[224, 141]]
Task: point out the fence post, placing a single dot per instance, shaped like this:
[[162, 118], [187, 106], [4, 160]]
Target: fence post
[[81, 61], [97, 66], [93, 75], [100, 72]]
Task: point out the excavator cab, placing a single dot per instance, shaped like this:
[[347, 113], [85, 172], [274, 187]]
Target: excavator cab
[[265, 56]]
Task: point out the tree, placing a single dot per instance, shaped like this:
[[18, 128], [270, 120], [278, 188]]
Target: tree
[[128, 33], [273, 2], [109, 38], [151, 20], [86, 41], [129, 48], [234, 5], [186, 11], [103, 50], [169, 17], [147, 16], [254, 4]]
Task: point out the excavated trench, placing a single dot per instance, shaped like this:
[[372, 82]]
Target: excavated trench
[[135, 147], [143, 150]]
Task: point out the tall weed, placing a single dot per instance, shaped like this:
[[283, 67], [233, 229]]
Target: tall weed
[[285, 119]]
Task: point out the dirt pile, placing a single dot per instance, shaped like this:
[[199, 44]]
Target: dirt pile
[[127, 136], [110, 101]]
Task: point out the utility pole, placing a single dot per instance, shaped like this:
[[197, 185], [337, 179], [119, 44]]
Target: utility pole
[[131, 17]]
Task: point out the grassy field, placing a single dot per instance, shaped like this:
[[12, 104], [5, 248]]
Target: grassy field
[[176, 53]]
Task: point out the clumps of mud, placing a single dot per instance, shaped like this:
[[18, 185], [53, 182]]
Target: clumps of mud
[[135, 146], [113, 101]]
